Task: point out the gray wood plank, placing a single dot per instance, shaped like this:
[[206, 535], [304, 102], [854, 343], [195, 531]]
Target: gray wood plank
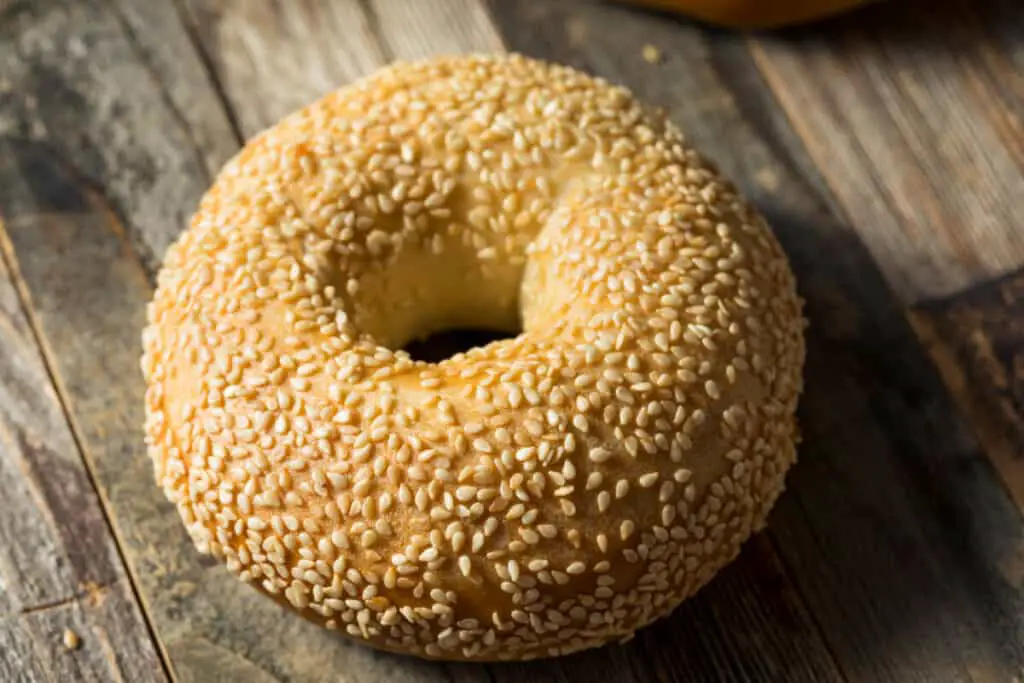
[[912, 112], [120, 102], [895, 529], [102, 622], [254, 47], [55, 544]]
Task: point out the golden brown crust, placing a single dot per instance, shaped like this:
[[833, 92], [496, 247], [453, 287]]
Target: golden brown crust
[[754, 14], [536, 496]]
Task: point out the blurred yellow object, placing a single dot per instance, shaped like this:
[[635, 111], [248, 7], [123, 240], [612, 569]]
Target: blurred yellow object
[[752, 14]]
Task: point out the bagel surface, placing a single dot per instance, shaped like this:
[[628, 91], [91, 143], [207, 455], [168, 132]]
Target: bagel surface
[[542, 494]]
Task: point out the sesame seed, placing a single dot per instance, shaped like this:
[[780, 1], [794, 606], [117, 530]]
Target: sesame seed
[[71, 640], [648, 480]]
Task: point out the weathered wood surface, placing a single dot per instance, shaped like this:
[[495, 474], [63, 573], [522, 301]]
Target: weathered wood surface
[[897, 553], [977, 340], [59, 564], [256, 46], [911, 112]]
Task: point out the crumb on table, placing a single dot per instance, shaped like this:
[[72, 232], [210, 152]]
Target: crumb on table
[[651, 54], [71, 640]]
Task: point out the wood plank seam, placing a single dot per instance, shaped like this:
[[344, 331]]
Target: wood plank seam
[[373, 20], [913, 314], [85, 594], [166, 99], [946, 364], [24, 301], [211, 73]]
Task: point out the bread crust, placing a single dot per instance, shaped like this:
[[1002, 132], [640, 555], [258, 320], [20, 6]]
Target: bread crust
[[754, 14]]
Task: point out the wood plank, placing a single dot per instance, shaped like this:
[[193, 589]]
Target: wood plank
[[392, 28], [55, 544], [895, 529], [413, 30], [179, 75], [912, 112], [75, 76], [255, 47], [977, 340], [104, 621]]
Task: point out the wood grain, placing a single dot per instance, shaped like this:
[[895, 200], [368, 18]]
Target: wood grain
[[55, 545], [254, 47], [106, 622], [412, 30], [77, 78], [895, 529], [977, 340], [912, 112]]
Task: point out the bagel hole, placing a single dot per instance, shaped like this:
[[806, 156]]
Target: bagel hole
[[443, 344]]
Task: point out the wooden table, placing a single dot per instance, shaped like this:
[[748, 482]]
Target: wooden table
[[887, 149]]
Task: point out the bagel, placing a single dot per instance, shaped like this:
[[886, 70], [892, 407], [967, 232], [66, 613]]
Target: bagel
[[753, 14], [542, 494]]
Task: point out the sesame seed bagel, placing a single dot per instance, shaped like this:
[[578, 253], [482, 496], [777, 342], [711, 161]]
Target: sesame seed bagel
[[543, 494]]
